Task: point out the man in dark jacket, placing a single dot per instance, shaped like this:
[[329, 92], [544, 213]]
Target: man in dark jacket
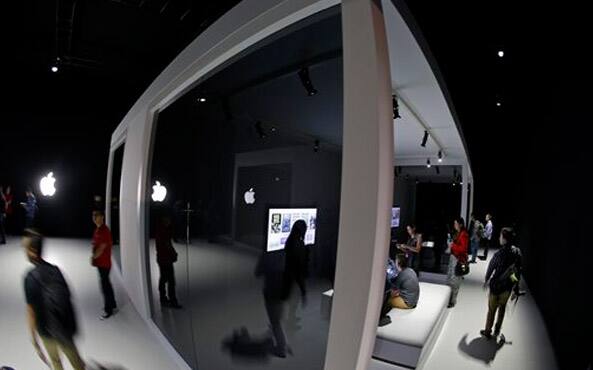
[[49, 310], [503, 275], [166, 256]]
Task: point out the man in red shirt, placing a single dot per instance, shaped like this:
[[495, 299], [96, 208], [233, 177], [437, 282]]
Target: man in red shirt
[[101, 259], [459, 248]]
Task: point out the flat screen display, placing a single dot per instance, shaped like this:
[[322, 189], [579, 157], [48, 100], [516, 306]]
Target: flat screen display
[[395, 216], [280, 221]]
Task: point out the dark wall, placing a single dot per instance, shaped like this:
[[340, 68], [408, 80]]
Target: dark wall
[[555, 235]]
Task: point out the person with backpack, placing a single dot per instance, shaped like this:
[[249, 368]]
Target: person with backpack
[[50, 313], [503, 275]]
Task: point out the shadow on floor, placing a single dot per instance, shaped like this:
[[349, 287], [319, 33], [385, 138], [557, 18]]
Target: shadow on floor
[[481, 348], [246, 348]]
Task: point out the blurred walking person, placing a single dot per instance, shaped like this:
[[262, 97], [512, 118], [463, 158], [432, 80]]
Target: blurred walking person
[[476, 231], [50, 313], [101, 259]]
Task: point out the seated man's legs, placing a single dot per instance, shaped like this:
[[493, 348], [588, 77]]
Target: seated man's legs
[[398, 302]]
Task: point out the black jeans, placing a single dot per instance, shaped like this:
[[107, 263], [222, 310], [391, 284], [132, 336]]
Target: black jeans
[[107, 290], [167, 283]]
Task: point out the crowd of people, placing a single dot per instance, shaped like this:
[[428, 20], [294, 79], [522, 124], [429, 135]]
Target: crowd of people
[[402, 288]]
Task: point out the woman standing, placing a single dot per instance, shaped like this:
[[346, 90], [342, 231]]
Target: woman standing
[[413, 247], [459, 248]]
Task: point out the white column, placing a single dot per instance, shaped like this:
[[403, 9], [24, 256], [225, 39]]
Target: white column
[[464, 187], [367, 188], [108, 188]]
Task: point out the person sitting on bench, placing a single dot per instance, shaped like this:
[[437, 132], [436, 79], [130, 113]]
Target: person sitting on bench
[[404, 293]]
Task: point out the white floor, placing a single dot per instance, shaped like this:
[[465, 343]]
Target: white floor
[[126, 342], [460, 346], [122, 342]]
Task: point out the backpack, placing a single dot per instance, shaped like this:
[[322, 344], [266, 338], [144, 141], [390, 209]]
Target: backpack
[[508, 278], [57, 306]]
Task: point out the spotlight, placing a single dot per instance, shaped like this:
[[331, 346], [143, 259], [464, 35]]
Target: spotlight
[[273, 129], [498, 104], [440, 156], [306, 81], [428, 163], [424, 139], [55, 67], [202, 100], [260, 130], [500, 53], [395, 107], [316, 146]]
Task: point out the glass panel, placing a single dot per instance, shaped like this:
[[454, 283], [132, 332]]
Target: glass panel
[[248, 157]]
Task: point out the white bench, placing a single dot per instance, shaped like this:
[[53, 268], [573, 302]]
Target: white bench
[[411, 333]]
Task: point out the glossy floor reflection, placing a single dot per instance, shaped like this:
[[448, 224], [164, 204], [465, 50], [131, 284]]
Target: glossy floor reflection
[[122, 342], [225, 299]]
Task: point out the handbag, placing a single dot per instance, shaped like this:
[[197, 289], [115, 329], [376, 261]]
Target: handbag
[[462, 268]]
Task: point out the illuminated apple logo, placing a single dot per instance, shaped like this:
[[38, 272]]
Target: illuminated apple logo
[[159, 192], [249, 196], [47, 185]]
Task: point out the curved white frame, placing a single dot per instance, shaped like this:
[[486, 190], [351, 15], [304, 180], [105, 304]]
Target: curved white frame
[[367, 160]]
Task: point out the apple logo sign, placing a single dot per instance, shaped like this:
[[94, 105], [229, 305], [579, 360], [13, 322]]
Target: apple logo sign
[[159, 192], [249, 196], [47, 185]]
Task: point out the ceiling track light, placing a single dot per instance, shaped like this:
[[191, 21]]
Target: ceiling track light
[[395, 107], [316, 146], [428, 165], [440, 155], [306, 81], [424, 139], [55, 67]]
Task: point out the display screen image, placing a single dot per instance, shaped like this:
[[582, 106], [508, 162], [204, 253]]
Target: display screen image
[[280, 221], [395, 216]]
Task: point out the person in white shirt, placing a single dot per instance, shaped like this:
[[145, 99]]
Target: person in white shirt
[[487, 235]]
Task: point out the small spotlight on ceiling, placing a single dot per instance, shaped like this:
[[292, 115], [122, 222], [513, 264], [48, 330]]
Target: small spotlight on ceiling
[[202, 100], [273, 129], [440, 156], [316, 146], [500, 53], [395, 107], [424, 139], [498, 104], [428, 163], [306, 81], [54, 69]]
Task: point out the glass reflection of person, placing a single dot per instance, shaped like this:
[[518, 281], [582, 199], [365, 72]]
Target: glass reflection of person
[[166, 256], [279, 279]]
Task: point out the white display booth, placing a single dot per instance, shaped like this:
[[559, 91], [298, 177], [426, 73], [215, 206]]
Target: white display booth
[[375, 39]]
